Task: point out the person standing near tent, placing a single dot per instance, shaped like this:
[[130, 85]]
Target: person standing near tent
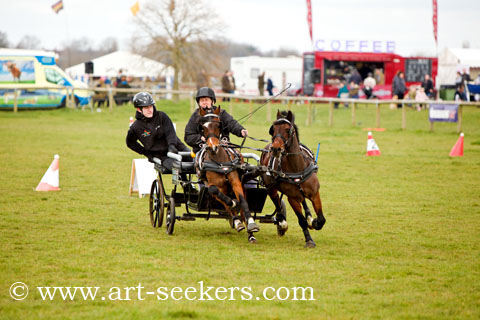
[[154, 130], [261, 84], [270, 86], [399, 86]]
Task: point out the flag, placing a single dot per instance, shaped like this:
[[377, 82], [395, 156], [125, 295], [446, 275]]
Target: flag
[[309, 17], [135, 8], [57, 6], [434, 19]]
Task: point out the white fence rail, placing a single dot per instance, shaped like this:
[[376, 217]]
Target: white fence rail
[[308, 101]]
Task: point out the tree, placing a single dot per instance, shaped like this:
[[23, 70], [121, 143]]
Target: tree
[[180, 33], [4, 43], [29, 42], [108, 45]]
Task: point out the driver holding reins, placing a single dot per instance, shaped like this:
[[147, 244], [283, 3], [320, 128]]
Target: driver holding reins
[[206, 100]]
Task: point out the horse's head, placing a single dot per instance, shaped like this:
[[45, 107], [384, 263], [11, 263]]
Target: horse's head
[[282, 132], [210, 127]]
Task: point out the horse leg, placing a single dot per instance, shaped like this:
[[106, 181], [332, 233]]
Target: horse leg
[[308, 214], [320, 220], [251, 238], [280, 210], [238, 189], [228, 203], [297, 207]]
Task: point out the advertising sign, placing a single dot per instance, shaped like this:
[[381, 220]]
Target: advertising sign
[[17, 71], [443, 112]]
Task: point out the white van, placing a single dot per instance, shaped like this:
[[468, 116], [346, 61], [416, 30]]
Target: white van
[[33, 72]]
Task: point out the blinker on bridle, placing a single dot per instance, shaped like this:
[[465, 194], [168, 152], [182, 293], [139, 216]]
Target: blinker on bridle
[[290, 132], [206, 118]]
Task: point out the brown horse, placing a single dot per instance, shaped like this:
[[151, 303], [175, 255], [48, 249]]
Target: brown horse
[[220, 165], [291, 169]]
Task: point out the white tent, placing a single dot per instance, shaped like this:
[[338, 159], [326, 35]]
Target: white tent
[[131, 64], [452, 60]]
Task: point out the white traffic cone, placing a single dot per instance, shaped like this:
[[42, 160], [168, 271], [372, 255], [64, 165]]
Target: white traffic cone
[[131, 122], [50, 180], [372, 148]]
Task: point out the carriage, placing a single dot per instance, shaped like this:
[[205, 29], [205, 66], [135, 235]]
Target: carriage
[[194, 194]]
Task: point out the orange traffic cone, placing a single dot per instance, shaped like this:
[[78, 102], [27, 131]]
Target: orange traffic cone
[[50, 180], [457, 150], [131, 121], [372, 148]]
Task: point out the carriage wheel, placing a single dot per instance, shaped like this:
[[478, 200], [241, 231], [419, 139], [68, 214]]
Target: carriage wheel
[[170, 222], [157, 204]]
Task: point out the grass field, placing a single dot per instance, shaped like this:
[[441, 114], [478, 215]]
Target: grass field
[[402, 238]]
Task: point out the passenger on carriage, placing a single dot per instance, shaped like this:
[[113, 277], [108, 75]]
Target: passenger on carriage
[[206, 100], [154, 130]]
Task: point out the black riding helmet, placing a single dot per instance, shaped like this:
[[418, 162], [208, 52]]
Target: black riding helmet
[[205, 92], [143, 99]]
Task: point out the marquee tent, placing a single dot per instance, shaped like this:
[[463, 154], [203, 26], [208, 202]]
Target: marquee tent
[[131, 64], [452, 60]]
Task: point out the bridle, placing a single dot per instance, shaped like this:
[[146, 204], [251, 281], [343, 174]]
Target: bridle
[[286, 141], [206, 119]]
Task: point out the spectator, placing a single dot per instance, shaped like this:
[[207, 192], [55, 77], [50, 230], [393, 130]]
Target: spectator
[[399, 86], [379, 77], [270, 86], [353, 90], [261, 83], [356, 77], [122, 97], [465, 76], [100, 97], [342, 94], [460, 94], [458, 79], [427, 85], [228, 83], [368, 85], [118, 79], [421, 96]]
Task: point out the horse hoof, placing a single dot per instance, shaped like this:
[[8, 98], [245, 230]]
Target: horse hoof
[[318, 224], [253, 227], [238, 225], [252, 239], [282, 228], [310, 244]]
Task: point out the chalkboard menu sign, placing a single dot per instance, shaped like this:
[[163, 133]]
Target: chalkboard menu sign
[[416, 69], [308, 64]]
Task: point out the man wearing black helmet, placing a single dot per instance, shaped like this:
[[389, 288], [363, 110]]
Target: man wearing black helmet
[[206, 100], [154, 130]]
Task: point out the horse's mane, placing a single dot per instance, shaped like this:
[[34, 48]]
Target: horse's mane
[[283, 115]]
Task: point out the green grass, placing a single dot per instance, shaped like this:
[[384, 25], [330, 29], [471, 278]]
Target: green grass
[[401, 238]]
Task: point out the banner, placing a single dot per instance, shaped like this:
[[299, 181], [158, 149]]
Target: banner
[[309, 18], [57, 6], [135, 8], [443, 112], [435, 20]]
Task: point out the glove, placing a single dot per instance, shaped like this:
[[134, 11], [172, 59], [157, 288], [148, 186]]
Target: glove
[[172, 148], [150, 158]]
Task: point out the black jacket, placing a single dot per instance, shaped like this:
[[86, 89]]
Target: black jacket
[[156, 134], [193, 136]]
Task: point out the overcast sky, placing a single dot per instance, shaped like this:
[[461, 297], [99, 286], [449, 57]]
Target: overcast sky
[[267, 24]]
